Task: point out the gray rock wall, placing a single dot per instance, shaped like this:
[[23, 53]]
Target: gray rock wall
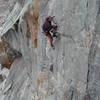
[[75, 59]]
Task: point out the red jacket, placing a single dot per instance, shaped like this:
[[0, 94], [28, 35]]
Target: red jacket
[[47, 26]]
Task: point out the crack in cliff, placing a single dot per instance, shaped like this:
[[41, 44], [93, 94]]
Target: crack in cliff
[[8, 88], [72, 94], [87, 4], [92, 52], [98, 7]]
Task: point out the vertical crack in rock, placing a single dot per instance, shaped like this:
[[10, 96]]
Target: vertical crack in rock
[[98, 6], [92, 75], [87, 4], [91, 55], [72, 94]]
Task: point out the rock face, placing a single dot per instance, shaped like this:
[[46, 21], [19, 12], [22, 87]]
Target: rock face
[[72, 70]]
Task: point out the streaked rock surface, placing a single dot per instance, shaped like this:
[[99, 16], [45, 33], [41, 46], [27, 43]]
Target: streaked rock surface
[[75, 60]]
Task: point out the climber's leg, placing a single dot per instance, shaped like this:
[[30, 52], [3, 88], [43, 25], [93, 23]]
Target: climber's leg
[[50, 39]]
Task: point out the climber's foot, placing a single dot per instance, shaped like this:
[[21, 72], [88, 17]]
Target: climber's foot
[[53, 47]]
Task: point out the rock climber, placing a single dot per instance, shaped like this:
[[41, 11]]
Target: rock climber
[[49, 29]]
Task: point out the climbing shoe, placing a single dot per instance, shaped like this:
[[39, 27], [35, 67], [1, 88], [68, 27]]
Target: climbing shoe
[[53, 47]]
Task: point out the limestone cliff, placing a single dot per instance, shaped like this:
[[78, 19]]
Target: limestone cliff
[[72, 70]]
